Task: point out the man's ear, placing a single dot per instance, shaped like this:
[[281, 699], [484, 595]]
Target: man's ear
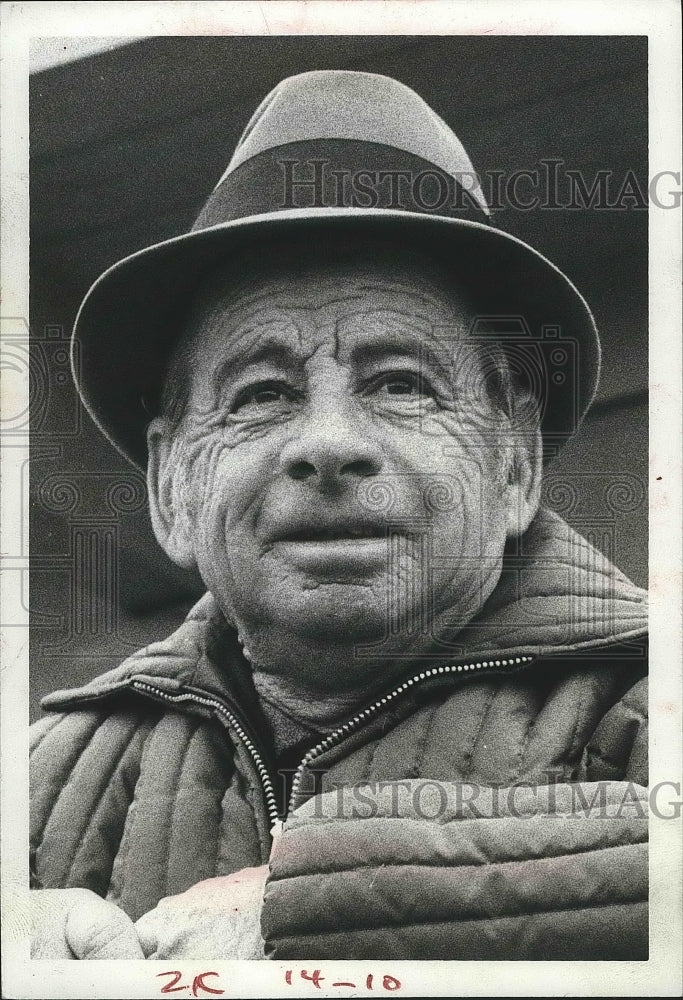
[[525, 465], [170, 516]]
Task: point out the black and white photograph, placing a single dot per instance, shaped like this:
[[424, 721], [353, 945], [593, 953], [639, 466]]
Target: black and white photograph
[[342, 442]]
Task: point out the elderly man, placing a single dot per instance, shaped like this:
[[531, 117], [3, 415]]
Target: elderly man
[[407, 718]]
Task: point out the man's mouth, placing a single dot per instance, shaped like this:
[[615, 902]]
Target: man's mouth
[[333, 533], [336, 548], [339, 551]]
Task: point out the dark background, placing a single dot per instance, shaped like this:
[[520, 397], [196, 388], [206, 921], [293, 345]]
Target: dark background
[[126, 145]]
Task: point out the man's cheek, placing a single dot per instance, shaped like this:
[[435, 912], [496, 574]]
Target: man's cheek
[[210, 480], [240, 478], [230, 556], [209, 519]]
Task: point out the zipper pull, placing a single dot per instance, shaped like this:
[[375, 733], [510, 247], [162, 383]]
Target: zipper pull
[[275, 833]]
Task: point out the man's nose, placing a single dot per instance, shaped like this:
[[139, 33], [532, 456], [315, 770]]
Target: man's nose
[[331, 449]]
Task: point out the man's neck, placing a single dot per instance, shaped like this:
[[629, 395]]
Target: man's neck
[[312, 711], [322, 685]]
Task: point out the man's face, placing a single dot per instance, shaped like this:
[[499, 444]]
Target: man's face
[[335, 474]]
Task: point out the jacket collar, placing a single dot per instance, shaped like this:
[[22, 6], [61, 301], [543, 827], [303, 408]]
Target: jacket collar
[[557, 594]]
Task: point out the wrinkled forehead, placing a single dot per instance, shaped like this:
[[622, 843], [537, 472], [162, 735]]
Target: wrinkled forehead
[[305, 301]]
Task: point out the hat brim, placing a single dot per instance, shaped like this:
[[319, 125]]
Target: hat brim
[[130, 318]]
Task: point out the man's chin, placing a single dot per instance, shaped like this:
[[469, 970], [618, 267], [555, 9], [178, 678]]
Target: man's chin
[[335, 613]]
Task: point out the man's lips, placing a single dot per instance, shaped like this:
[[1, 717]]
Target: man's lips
[[339, 550], [336, 548], [319, 530], [332, 534]]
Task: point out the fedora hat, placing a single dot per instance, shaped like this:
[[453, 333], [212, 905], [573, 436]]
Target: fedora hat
[[361, 156]]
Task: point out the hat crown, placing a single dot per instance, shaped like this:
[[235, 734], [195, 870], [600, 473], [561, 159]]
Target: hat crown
[[365, 107]]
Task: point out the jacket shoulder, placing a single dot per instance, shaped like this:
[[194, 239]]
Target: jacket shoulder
[[170, 662]]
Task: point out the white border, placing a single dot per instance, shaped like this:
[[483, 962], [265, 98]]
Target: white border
[[660, 21]]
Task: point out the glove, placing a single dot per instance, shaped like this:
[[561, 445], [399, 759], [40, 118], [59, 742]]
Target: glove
[[77, 923]]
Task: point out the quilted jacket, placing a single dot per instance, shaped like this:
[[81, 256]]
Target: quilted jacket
[[491, 805]]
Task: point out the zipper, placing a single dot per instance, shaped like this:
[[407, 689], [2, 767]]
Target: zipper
[[222, 710], [335, 737], [331, 740]]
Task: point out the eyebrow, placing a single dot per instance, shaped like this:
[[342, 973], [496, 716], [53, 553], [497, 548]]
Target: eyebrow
[[267, 350], [286, 353], [393, 346]]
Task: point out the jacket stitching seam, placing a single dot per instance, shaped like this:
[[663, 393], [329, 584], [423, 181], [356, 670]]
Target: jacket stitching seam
[[116, 874], [459, 920], [523, 744], [82, 745], [457, 867], [422, 742], [130, 751], [223, 780], [174, 802], [96, 805], [324, 820], [469, 758], [55, 722], [370, 758], [574, 745], [82, 749]]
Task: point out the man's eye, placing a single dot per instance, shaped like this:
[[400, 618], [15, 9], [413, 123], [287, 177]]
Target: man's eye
[[262, 394], [402, 384]]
